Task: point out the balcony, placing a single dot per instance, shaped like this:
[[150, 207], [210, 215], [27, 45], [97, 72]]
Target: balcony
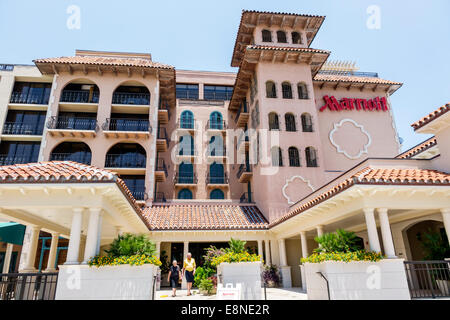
[[21, 128], [133, 161], [139, 195], [126, 128], [80, 157], [186, 153], [79, 96], [7, 160], [160, 197], [183, 125], [75, 127], [243, 142], [242, 115], [185, 180], [162, 140], [163, 112], [247, 197], [129, 98], [213, 181], [216, 154], [161, 171], [23, 98], [216, 125], [244, 173]]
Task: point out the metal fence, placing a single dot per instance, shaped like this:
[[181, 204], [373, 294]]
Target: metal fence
[[428, 279], [28, 286]]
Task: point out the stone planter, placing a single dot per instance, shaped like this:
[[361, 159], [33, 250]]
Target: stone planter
[[248, 274], [122, 282], [357, 280]]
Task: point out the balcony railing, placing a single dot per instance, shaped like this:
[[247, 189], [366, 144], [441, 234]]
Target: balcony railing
[[79, 96], [139, 195], [216, 125], [131, 98], [246, 197], [23, 128], [160, 197], [212, 95], [243, 168], [28, 286], [19, 97], [186, 124], [161, 166], [125, 161], [124, 124], [80, 157], [217, 179], [185, 179], [243, 108], [6, 160], [72, 123]]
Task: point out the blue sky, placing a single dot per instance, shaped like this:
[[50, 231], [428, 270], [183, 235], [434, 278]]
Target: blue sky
[[411, 45]]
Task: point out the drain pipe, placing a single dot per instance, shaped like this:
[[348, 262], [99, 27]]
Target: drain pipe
[[326, 280]]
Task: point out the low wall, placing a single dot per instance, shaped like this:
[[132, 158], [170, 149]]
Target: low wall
[[357, 280], [248, 274], [122, 282]]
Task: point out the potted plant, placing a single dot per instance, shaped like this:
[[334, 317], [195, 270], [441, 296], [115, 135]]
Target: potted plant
[[207, 286], [271, 276]]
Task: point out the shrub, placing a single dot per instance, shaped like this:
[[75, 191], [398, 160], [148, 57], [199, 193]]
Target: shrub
[[131, 244], [341, 241], [236, 246], [235, 257], [270, 273], [202, 273], [206, 285], [134, 260], [211, 253], [344, 256], [435, 245]]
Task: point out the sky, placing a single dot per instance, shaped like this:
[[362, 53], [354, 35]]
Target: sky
[[405, 41]]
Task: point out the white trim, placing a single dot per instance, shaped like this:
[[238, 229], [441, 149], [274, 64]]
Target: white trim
[[336, 126], [283, 190]]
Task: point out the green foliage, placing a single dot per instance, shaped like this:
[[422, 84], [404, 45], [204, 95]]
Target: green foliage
[[210, 254], [165, 264], [360, 255], [435, 245], [134, 260], [236, 246], [341, 241], [206, 285], [201, 274], [131, 244]]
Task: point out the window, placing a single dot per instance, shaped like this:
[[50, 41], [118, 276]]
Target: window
[[281, 36], [72, 151], [216, 173], [185, 194], [126, 155], [217, 92], [186, 172], [289, 119], [216, 148], [311, 157], [187, 120], [277, 157], [217, 194], [287, 90], [137, 95], [266, 36], [136, 185], [302, 91], [296, 38], [307, 122], [31, 92], [24, 122], [215, 120], [12, 152], [274, 124], [271, 90], [187, 91], [294, 157], [186, 145]]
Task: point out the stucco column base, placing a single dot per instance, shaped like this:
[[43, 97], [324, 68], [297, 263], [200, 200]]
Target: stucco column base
[[286, 281]]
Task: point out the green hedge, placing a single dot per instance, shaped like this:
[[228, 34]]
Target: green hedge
[[344, 257]]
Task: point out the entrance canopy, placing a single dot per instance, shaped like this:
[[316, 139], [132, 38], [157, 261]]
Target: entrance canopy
[[11, 232]]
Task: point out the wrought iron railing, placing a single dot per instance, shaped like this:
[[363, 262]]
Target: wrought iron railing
[[23, 128], [139, 195], [186, 124], [246, 197], [216, 125], [80, 157], [211, 179], [7, 160], [242, 108], [72, 123], [349, 73], [124, 124], [28, 286], [136, 160], [244, 167], [79, 96], [131, 98], [428, 279], [185, 179], [212, 95], [19, 97]]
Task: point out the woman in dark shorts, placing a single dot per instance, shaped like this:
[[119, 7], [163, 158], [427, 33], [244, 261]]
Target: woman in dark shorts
[[174, 277]]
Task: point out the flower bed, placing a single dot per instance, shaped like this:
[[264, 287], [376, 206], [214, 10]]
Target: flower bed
[[235, 257], [134, 260], [343, 256]]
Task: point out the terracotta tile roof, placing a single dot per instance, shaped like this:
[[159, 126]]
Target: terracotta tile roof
[[372, 176], [432, 116], [357, 79], [106, 61], [284, 13], [204, 217], [421, 147], [260, 47]]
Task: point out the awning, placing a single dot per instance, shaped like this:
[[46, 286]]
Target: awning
[[12, 232]]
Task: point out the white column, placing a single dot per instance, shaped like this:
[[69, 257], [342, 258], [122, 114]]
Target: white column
[[75, 237], [31, 256], [304, 244], [374, 242], [386, 234], [268, 258], [92, 234], [158, 249], [7, 261], [446, 220], [260, 249], [284, 268], [319, 230], [185, 252], [52, 254], [282, 248], [99, 234]]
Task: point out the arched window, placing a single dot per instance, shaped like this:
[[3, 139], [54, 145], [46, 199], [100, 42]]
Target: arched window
[[126, 155], [187, 120], [186, 172], [266, 36], [83, 91], [311, 157], [185, 194], [217, 194], [281, 36], [277, 156], [296, 38], [186, 145], [294, 157], [274, 123], [216, 173], [215, 120], [271, 90], [131, 94], [306, 122], [302, 91], [289, 120], [216, 148], [72, 151], [287, 90]]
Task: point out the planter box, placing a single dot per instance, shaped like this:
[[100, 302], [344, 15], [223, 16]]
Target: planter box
[[248, 274], [358, 280], [123, 282]]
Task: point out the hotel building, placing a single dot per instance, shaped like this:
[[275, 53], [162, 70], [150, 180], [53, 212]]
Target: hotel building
[[287, 148]]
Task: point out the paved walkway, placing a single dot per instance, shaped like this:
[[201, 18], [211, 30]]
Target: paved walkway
[[272, 294]]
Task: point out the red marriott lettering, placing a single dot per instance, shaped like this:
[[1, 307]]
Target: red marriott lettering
[[378, 104]]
